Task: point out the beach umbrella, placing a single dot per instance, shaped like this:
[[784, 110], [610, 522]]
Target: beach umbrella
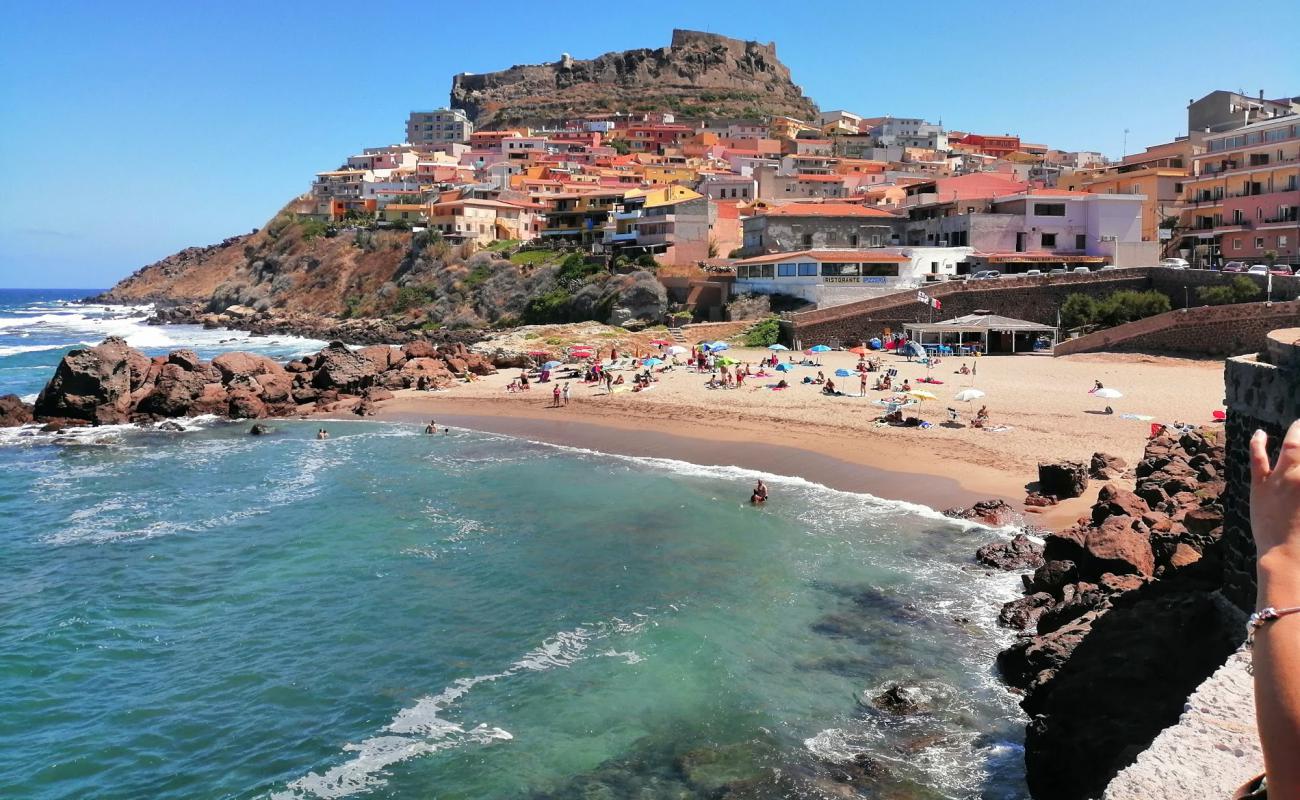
[[859, 350], [719, 346], [659, 342], [967, 395], [783, 367], [677, 350], [651, 362], [777, 347], [843, 373], [1108, 394], [552, 365], [819, 348], [922, 394], [914, 350], [726, 362]]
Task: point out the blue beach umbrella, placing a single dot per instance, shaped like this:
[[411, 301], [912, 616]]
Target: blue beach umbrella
[[819, 348], [718, 346], [783, 367], [843, 373], [777, 347], [551, 365], [651, 362]]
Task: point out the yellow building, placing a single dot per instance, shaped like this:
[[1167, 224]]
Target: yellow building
[[658, 174], [788, 127]]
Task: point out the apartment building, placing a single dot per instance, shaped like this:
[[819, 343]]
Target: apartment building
[[428, 128], [1242, 200]]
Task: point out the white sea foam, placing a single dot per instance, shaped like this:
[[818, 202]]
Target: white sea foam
[[420, 729], [15, 350]]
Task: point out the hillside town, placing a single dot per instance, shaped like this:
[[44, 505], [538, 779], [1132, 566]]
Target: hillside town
[[843, 206]]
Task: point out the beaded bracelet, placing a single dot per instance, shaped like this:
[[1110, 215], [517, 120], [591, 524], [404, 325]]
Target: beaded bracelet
[[1264, 616]]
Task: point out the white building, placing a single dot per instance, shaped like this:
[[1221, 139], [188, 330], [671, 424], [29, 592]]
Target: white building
[[835, 277]]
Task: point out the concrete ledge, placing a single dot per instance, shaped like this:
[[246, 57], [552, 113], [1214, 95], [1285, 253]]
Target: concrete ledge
[[1212, 750]]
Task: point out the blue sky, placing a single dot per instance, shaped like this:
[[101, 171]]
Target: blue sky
[[131, 130]]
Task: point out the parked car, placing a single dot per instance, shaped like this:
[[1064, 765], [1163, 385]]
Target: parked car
[[1058, 271], [986, 275], [1080, 269], [1033, 272], [1108, 266], [1174, 263], [1233, 266], [1280, 269], [1257, 269]]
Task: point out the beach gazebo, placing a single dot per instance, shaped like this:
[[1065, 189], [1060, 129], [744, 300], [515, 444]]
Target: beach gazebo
[[991, 333]]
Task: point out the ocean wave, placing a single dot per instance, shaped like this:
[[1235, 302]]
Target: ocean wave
[[420, 729], [17, 350]]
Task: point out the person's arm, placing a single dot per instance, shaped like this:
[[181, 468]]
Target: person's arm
[[1275, 522]]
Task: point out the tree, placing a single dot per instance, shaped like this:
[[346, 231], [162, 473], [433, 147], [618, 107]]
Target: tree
[[764, 333], [1078, 311], [1270, 258]]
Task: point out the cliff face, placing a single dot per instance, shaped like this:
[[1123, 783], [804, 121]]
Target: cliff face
[[698, 75]]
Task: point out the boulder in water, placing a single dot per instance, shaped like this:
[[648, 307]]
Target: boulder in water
[[14, 412]]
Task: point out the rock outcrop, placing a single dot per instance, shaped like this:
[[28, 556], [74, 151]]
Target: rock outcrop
[[1125, 616], [13, 411], [111, 383], [698, 75]]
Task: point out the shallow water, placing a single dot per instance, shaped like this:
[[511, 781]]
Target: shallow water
[[390, 614]]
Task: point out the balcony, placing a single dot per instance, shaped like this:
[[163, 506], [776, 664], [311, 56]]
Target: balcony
[[628, 214]]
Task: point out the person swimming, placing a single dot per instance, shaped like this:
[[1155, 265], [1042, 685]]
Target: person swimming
[[759, 494]]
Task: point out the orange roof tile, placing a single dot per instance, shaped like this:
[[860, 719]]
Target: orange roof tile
[[824, 210]]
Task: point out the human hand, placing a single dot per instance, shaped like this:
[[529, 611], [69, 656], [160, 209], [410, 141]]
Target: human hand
[[1275, 508]]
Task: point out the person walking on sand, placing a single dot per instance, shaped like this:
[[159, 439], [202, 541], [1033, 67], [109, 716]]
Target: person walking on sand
[[555, 396], [609, 383], [862, 384], [565, 393]]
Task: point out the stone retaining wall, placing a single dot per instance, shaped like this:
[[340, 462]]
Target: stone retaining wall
[[1035, 298], [1203, 330]]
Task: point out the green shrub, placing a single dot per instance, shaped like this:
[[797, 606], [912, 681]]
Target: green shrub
[[409, 297], [764, 333], [1078, 310], [553, 306], [311, 228], [1240, 290], [1081, 310]]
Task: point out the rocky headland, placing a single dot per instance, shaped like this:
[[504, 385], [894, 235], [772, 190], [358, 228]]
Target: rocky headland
[[1123, 616], [697, 75]]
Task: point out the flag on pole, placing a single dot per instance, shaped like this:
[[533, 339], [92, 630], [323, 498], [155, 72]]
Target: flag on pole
[[932, 302]]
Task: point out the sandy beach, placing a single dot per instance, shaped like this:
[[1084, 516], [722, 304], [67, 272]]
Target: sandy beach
[[1042, 404]]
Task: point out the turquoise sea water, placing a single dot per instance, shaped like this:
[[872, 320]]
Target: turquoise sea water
[[386, 614]]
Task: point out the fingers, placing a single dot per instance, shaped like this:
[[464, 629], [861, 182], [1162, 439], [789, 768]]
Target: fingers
[[1259, 468], [1289, 457]]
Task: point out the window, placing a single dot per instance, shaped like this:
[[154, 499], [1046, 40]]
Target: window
[[853, 240], [1281, 240], [881, 270], [807, 269], [1049, 240], [1236, 244], [1080, 241], [1259, 241], [806, 238], [1049, 209], [840, 270], [785, 270], [768, 270]]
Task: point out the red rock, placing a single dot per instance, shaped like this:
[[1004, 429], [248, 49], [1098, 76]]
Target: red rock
[[187, 360], [1105, 466], [13, 411], [380, 355], [420, 348], [93, 384], [1184, 556], [238, 364], [1116, 547], [1201, 521], [1062, 479], [1118, 584]]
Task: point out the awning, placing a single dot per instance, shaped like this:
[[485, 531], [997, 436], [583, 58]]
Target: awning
[[1051, 258]]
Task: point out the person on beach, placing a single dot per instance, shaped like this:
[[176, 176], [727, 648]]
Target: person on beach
[[1274, 630], [523, 381], [1097, 385], [906, 387], [609, 383], [322, 434], [862, 384], [555, 396], [965, 370], [565, 393], [432, 427], [759, 495]]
